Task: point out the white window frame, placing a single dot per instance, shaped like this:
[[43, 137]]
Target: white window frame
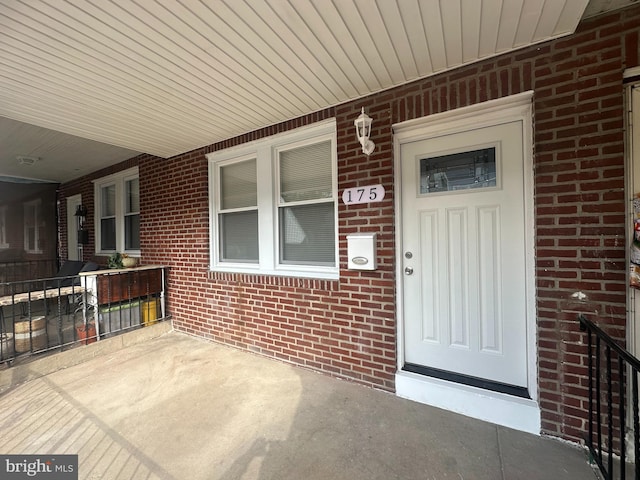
[[265, 152], [119, 180], [219, 210], [38, 214], [3, 227], [125, 213]]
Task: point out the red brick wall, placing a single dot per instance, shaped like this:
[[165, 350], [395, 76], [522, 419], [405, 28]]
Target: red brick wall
[[347, 327], [580, 205], [344, 327]]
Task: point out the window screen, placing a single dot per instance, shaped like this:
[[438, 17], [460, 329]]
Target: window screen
[[132, 215], [238, 217], [306, 212], [108, 218]]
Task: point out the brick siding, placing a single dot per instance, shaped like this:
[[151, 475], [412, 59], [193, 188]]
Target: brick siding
[[347, 327]]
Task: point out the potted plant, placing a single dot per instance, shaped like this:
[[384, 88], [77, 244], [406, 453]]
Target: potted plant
[[115, 261], [121, 260], [86, 333]]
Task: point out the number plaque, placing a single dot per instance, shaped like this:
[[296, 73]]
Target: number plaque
[[370, 194]]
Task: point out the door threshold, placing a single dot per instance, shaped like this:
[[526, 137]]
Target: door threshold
[[482, 383], [502, 409]]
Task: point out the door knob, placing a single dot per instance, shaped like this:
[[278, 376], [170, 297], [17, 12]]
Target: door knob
[[408, 270]]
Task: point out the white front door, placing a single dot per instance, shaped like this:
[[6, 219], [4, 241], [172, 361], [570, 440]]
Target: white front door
[[463, 257]]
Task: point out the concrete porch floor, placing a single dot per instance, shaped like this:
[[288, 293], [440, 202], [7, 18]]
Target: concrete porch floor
[[177, 407]]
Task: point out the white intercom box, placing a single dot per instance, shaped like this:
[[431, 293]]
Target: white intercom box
[[361, 250]]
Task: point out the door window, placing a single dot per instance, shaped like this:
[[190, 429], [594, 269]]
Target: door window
[[458, 171]]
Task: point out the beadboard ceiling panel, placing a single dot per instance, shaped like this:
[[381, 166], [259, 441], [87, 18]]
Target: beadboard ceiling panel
[[168, 76]]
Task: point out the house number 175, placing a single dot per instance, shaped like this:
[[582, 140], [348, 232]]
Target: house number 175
[[370, 194]]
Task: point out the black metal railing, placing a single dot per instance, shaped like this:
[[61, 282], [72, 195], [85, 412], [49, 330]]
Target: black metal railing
[[49, 314], [39, 315], [613, 378], [22, 271]]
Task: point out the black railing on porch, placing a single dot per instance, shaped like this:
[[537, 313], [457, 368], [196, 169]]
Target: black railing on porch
[[613, 376], [15, 274], [39, 315], [53, 314]]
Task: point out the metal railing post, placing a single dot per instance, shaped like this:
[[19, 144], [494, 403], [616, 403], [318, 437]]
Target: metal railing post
[[609, 440]]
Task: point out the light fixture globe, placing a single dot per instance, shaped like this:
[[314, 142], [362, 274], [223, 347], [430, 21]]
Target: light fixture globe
[[363, 132]]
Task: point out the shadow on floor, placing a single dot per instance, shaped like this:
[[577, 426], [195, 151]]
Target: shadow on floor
[[178, 407]]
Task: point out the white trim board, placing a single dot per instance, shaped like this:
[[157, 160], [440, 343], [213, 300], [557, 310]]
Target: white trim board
[[513, 412]]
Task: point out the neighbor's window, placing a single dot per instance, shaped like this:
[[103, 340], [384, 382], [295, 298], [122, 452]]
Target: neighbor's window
[[108, 217], [284, 224], [117, 200], [32, 226], [132, 214], [3, 227]]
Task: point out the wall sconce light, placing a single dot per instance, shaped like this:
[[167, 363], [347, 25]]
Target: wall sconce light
[[81, 217], [81, 213], [363, 131]]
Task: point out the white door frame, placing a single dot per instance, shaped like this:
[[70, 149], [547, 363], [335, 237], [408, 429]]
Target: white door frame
[[514, 412], [632, 187], [72, 227]]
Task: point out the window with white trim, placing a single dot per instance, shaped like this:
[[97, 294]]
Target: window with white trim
[[238, 212], [274, 205], [33, 226], [132, 214], [117, 201]]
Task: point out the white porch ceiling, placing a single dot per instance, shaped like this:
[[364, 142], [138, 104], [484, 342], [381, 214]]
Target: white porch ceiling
[[167, 76]]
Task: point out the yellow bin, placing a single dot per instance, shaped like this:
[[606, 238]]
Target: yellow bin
[[150, 311]]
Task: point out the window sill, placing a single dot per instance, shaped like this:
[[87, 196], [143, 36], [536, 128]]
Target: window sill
[[321, 274], [133, 253], [264, 279]]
